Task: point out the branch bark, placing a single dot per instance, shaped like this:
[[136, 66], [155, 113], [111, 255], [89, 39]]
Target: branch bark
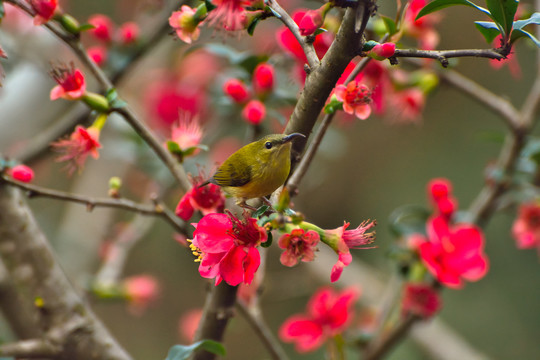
[[34, 271]]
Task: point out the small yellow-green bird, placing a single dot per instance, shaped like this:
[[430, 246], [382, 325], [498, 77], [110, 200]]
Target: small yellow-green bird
[[256, 169]]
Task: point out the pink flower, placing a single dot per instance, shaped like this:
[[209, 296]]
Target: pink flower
[[263, 78], [440, 192], [44, 9], [328, 314], [98, 54], [254, 112], [423, 28], [71, 83], [526, 228], [229, 14], [453, 253], [103, 27], [383, 51], [141, 291], [128, 33], [236, 90], [206, 199], [421, 300], [355, 98], [310, 22], [407, 105], [185, 24], [187, 132], [298, 245], [227, 247], [81, 143], [342, 240], [21, 173]]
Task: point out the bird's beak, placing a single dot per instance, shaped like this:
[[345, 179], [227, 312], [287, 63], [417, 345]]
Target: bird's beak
[[291, 137]]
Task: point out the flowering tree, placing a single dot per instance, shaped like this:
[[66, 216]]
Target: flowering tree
[[160, 120]]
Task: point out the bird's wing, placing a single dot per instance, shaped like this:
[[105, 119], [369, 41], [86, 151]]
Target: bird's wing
[[233, 173]]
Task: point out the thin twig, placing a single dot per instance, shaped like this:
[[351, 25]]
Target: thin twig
[[263, 332], [285, 18], [157, 209], [443, 55], [378, 350]]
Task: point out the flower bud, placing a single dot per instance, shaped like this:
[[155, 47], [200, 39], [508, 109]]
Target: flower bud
[[96, 102], [70, 24], [98, 54], [103, 27], [382, 51], [21, 173], [128, 33], [313, 19], [254, 112], [263, 78], [236, 90]]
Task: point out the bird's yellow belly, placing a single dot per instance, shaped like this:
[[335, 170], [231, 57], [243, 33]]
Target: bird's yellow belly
[[264, 183]]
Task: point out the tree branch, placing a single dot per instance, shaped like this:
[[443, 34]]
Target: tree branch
[[158, 209], [443, 55], [379, 349], [35, 272], [32, 348]]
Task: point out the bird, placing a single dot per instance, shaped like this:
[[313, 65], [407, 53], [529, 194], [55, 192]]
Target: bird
[[256, 169]]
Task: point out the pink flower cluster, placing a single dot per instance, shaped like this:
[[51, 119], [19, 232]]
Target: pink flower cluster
[[451, 252], [254, 110], [526, 227]]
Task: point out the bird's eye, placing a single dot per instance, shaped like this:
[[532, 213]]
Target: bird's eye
[[268, 145]]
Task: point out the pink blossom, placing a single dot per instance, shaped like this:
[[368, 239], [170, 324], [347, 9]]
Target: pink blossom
[[453, 253], [128, 33], [188, 324], [44, 9], [420, 299], [526, 228], [329, 313], [383, 51], [311, 21], [103, 27], [21, 173], [206, 199], [236, 90], [81, 143], [407, 105], [298, 245], [263, 78], [141, 291], [71, 83], [355, 98], [187, 132], [185, 24], [254, 112], [227, 247], [229, 15], [98, 54]]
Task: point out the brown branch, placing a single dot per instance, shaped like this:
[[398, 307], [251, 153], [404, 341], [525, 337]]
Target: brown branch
[[443, 55], [309, 50], [379, 349], [33, 269], [158, 209], [32, 348]]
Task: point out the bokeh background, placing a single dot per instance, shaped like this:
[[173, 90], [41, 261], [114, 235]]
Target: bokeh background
[[365, 170]]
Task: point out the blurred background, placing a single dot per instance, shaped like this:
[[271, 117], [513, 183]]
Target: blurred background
[[365, 170]]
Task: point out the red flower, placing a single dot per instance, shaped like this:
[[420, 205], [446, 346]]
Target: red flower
[[342, 240], [103, 27], [81, 143], [226, 247], [328, 314], [207, 199], [44, 9], [440, 192], [185, 24], [71, 83], [263, 78], [98, 54], [383, 51], [311, 21], [423, 28], [407, 105], [128, 33], [526, 228], [236, 90], [420, 299], [355, 98], [298, 245], [22, 173], [229, 14], [254, 112], [187, 132], [453, 253]]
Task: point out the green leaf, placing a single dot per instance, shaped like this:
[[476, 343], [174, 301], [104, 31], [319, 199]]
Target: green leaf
[[173, 147], [209, 5], [368, 45], [534, 19], [268, 242], [183, 352], [253, 25], [86, 27], [488, 29], [441, 4], [502, 12], [390, 24], [260, 211], [519, 33], [111, 95], [333, 106]]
